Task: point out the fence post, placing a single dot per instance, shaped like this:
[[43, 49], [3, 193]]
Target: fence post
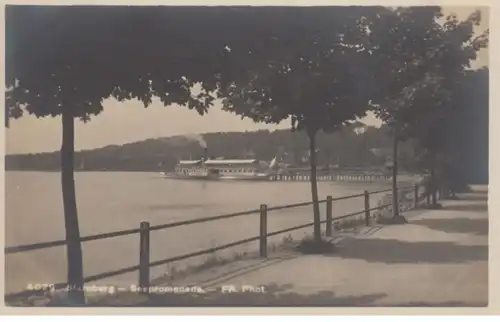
[[263, 231], [144, 250], [367, 208], [415, 196], [329, 222]]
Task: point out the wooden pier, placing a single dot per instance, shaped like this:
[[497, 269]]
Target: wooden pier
[[349, 177]]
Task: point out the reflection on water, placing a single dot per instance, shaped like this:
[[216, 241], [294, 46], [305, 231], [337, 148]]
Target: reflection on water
[[110, 201], [173, 206]]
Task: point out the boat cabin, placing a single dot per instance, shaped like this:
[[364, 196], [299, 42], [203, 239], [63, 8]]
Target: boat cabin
[[233, 166], [188, 166]]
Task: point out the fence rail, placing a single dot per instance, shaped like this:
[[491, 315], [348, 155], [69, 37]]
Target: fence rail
[[144, 232]]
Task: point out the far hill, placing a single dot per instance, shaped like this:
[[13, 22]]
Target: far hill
[[349, 147]]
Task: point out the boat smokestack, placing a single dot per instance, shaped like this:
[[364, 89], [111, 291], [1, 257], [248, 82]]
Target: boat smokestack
[[205, 153]]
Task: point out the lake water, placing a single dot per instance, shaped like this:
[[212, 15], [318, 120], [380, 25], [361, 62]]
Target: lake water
[[111, 201]]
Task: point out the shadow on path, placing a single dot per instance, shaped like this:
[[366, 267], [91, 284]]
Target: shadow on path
[[479, 207], [275, 295], [397, 251], [476, 226], [443, 304], [475, 196]]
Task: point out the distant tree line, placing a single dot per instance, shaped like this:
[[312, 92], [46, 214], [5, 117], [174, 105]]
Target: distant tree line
[[345, 148]]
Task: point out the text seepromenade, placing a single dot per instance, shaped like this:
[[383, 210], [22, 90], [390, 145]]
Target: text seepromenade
[[110, 289]]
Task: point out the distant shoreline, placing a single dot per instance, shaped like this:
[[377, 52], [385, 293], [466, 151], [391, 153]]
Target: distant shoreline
[[404, 178]]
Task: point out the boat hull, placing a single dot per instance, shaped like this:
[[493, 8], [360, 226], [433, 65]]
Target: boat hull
[[191, 177], [246, 178], [263, 177]]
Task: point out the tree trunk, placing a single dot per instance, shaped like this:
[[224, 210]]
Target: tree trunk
[[434, 183], [314, 186], [73, 247], [395, 203]]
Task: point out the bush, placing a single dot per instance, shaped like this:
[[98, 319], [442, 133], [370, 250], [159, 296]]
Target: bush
[[392, 220], [309, 245]]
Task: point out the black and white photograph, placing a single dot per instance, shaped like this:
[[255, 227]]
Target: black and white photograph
[[161, 156]]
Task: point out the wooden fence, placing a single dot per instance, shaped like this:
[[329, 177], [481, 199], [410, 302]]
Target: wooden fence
[[144, 265]]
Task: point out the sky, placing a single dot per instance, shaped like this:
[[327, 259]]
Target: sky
[[129, 121]]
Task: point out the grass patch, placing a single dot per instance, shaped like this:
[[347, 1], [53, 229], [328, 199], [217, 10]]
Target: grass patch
[[349, 223], [309, 245], [385, 216], [215, 260]]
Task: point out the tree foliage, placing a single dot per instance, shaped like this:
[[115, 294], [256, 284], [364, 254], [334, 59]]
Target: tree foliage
[[470, 126], [420, 60], [458, 139], [439, 129], [88, 53], [321, 85]]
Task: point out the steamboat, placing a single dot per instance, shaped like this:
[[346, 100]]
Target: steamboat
[[223, 169]]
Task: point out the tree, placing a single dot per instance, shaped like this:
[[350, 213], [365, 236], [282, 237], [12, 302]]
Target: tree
[[86, 54], [437, 130], [403, 116], [402, 49], [469, 126], [458, 133], [77, 65], [421, 61], [320, 86]]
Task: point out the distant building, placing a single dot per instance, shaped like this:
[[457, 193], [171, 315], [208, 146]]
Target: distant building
[[360, 128]]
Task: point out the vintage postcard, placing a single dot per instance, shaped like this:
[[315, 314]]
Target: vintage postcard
[[326, 156]]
